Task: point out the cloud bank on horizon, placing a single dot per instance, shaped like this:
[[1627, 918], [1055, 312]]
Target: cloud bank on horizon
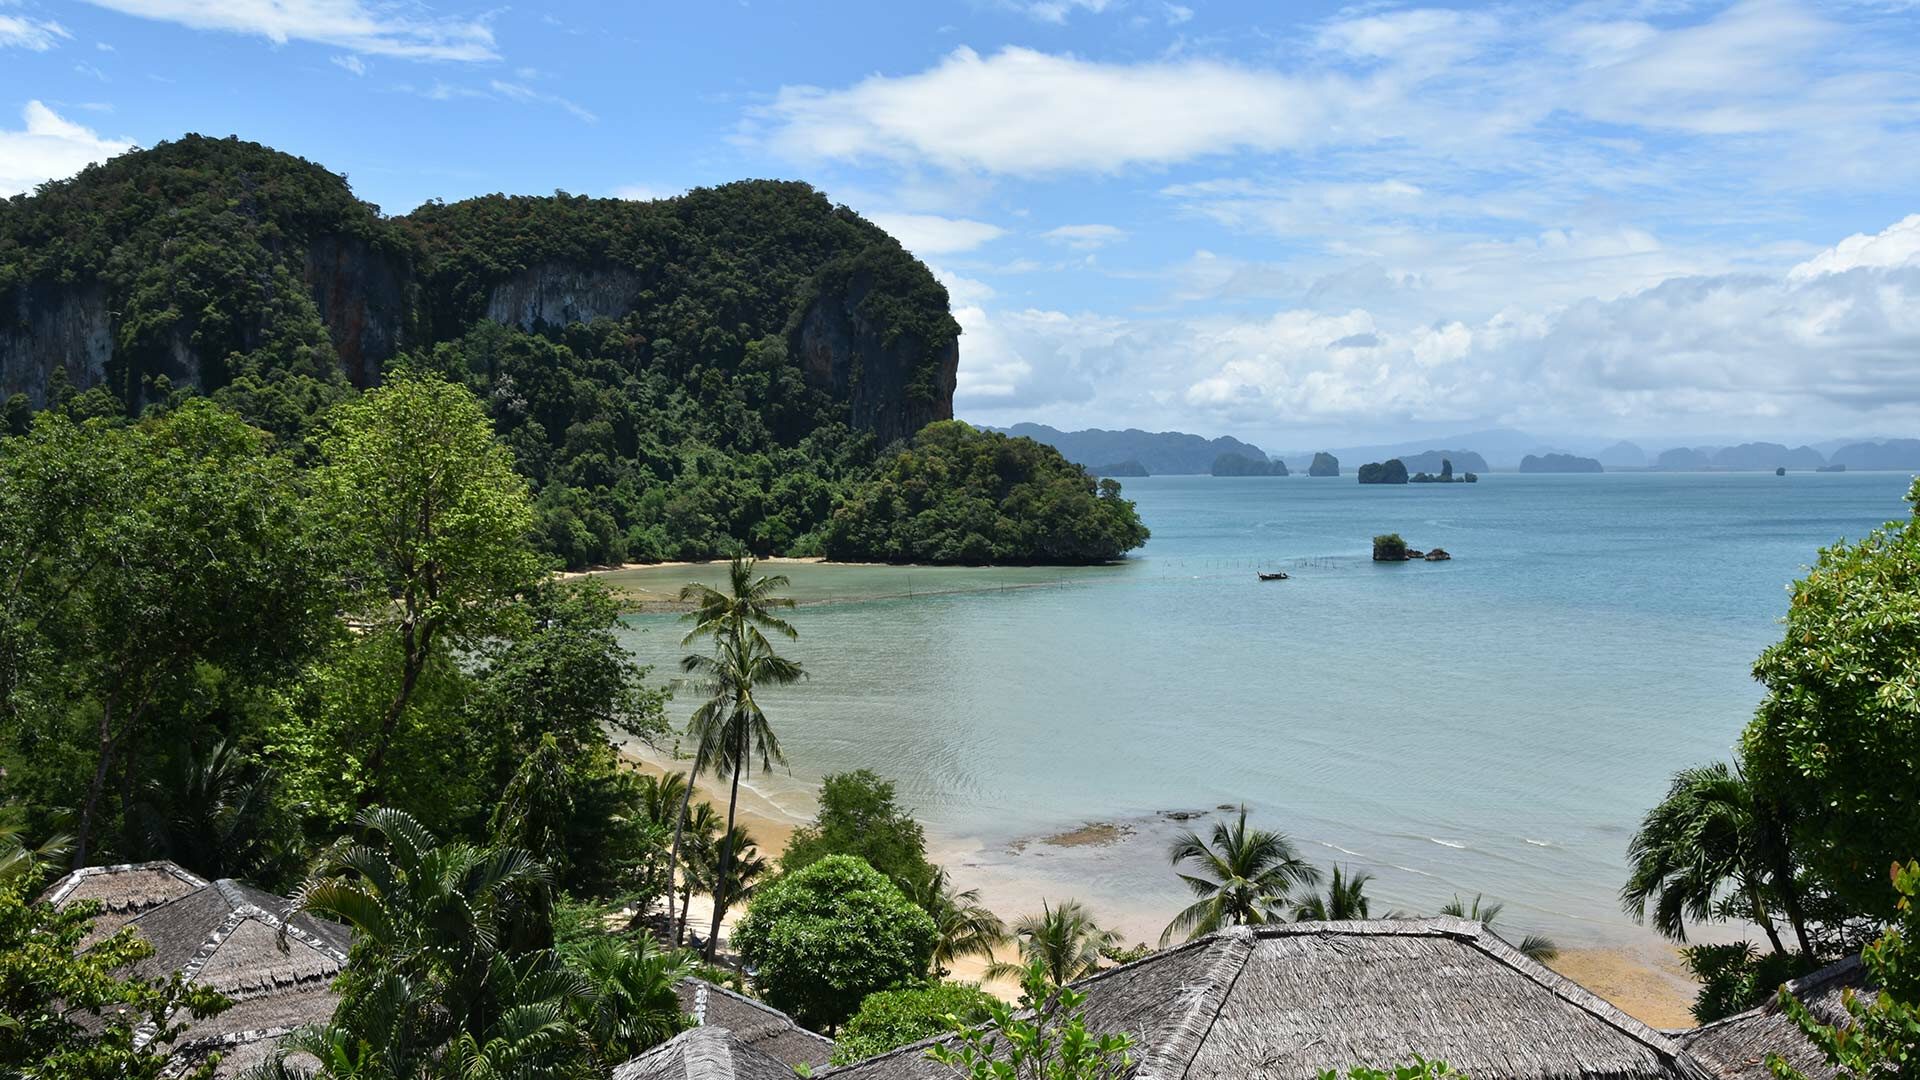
[[1334, 225]]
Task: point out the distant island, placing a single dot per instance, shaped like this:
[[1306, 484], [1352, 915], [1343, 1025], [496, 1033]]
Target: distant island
[[1231, 464], [1445, 476], [1390, 547], [1324, 464], [1390, 471], [1887, 454], [1128, 468], [1161, 453], [1559, 463], [1432, 460]]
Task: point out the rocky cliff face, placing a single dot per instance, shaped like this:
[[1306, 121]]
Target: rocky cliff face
[[44, 326], [362, 296], [555, 294], [892, 387]]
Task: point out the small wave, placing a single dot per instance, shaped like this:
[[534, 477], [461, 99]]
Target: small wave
[[1341, 850], [1537, 843], [1409, 870], [1447, 843]]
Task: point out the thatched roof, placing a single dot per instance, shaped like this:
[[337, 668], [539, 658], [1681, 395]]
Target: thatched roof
[[1736, 1047], [123, 891], [1285, 1002], [754, 1023], [703, 1053]]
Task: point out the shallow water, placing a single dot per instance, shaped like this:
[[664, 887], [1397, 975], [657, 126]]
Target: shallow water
[[1492, 724]]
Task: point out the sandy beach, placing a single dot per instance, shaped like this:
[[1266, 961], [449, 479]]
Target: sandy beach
[[1647, 982]]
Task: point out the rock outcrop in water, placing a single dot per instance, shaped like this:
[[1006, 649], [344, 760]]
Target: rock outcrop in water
[[1559, 463], [1324, 464], [1240, 465], [1390, 471]]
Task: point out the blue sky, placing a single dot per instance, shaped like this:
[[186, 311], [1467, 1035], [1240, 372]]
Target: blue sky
[[1302, 223]]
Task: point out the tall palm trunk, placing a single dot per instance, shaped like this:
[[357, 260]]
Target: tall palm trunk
[[1764, 917], [676, 929], [726, 853]]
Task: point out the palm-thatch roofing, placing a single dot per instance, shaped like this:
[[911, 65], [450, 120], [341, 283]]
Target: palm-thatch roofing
[[1736, 1048], [704, 1053], [1286, 1002], [754, 1023], [124, 891]]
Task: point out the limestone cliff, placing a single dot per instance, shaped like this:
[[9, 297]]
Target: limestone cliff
[[894, 381], [46, 326], [556, 294], [363, 298]]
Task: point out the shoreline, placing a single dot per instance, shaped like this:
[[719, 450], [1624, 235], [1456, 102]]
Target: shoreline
[[1644, 980]]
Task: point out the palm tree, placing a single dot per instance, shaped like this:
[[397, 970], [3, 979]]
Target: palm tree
[[630, 1005], [1533, 946], [18, 862], [966, 927], [207, 815], [1346, 899], [1063, 940], [729, 729], [697, 870], [748, 865], [1242, 877], [1708, 836]]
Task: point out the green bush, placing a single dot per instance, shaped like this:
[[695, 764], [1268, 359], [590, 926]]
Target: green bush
[[1736, 977], [822, 939], [895, 1018], [1389, 547], [858, 816]]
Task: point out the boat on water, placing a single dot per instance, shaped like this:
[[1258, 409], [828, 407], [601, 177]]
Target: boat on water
[[1277, 575]]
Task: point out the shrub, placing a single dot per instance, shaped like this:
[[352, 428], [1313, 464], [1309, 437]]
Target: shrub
[[894, 1018]]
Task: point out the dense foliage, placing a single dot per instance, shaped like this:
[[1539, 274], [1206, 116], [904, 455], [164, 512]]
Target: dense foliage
[[895, 1018], [1881, 1037], [962, 495], [1044, 1038], [822, 939], [859, 816]]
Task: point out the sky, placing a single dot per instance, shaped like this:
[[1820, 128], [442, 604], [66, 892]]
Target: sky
[[1299, 223]]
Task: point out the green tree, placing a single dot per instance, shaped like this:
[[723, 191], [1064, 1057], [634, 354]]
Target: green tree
[[422, 501], [1242, 877], [822, 939], [859, 816], [730, 728], [536, 806], [214, 812], [1710, 837], [73, 1013], [1046, 1039], [19, 862], [891, 1019], [1533, 946], [965, 926], [1062, 941], [629, 1005], [135, 557], [1345, 899], [1836, 740], [1880, 1037]]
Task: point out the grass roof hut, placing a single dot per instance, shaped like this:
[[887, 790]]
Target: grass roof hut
[[1736, 1047]]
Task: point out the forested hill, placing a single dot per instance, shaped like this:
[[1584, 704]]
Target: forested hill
[[679, 379]]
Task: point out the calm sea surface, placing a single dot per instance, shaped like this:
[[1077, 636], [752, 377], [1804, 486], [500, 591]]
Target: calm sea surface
[[1493, 724]]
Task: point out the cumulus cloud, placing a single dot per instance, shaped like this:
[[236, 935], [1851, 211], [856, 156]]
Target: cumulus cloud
[[49, 147], [932, 234], [1896, 245], [36, 35], [342, 24]]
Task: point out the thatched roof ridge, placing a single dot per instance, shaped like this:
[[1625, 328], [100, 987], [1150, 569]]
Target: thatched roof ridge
[[1284, 1002], [123, 891], [703, 1053], [1736, 1047], [754, 1023]]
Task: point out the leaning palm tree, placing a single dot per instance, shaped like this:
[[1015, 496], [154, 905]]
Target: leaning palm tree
[[730, 729], [699, 862], [1533, 946], [1063, 940], [1706, 840], [1345, 899], [965, 926], [1242, 877], [748, 866]]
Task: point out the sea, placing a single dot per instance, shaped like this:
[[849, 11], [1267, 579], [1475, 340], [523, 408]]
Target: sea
[[1492, 725]]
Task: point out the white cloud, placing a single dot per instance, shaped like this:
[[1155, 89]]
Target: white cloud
[[641, 192], [351, 63], [342, 24], [37, 35], [1177, 13], [49, 147], [931, 234], [528, 95], [1056, 11], [1085, 237], [1896, 245]]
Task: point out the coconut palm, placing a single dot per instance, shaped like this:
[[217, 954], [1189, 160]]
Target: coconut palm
[[748, 866], [1706, 840], [729, 729], [18, 862], [966, 927], [699, 860], [1063, 940], [1346, 898], [208, 814], [630, 1004], [1534, 946], [1242, 877]]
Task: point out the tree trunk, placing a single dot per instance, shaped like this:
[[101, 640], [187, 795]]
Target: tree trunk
[[1765, 918], [412, 660], [84, 832], [726, 860], [675, 929], [686, 903]]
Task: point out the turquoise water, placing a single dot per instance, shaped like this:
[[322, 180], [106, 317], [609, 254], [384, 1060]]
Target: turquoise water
[[1492, 724]]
